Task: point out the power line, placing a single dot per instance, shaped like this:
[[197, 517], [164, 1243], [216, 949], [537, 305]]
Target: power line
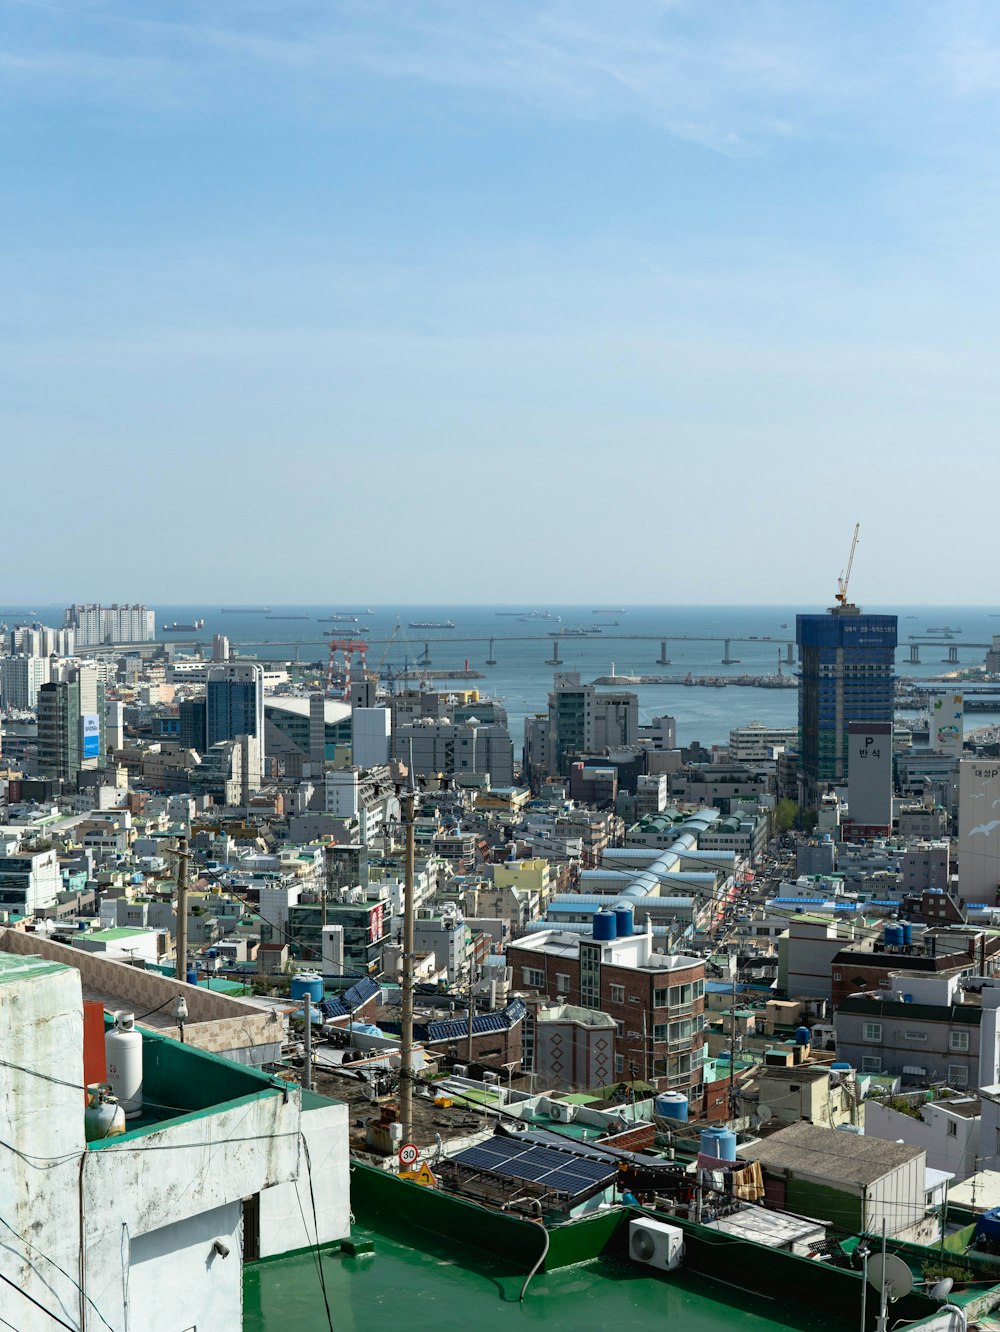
[[319, 1257], [31, 1299], [34, 1248]]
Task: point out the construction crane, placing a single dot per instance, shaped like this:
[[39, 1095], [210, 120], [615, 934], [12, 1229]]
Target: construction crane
[[374, 675], [845, 577]]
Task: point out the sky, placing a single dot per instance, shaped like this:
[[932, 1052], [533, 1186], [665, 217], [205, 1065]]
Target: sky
[[499, 300]]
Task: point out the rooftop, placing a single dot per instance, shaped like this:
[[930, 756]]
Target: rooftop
[[436, 1284], [829, 1154]]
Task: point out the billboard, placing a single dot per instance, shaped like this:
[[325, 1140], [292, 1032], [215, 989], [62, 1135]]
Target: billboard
[[947, 723], [869, 774], [91, 724], [978, 830]]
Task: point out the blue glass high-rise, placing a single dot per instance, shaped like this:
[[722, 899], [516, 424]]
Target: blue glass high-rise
[[848, 663]]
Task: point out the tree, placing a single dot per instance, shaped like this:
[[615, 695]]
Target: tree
[[785, 813]]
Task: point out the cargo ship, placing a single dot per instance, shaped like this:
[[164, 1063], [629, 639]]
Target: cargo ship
[[245, 610], [432, 624], [177, 628]]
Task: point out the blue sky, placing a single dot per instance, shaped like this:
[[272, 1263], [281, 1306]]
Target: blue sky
[[454, 301]]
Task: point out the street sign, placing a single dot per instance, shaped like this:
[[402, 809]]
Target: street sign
[[408, 1154]]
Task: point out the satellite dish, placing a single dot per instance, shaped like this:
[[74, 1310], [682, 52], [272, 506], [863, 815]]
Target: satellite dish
[[890, 1275], [764, 1113], [942, 1290]]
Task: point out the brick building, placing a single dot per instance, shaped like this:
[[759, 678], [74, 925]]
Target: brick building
[[656, 1000]]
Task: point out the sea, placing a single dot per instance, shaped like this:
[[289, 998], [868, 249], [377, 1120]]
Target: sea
[[628, 644]]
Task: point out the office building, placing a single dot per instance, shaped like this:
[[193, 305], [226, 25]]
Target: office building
[[59, 731], [978, 830], [847, 664], [90, 684], [583, 721], [234, 699], [456, 749]]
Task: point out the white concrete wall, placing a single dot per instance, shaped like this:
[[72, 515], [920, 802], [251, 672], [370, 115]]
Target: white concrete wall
[[286, 1218], [41, 1028], [176, 1280], [954, 1153], [180, 1173]]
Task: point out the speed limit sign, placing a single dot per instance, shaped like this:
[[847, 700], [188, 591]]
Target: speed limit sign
[[408, 1154]]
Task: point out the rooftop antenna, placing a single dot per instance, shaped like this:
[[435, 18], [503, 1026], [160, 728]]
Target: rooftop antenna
[[845, 577]]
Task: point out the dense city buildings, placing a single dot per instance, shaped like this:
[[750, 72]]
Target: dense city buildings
[[626, 932]]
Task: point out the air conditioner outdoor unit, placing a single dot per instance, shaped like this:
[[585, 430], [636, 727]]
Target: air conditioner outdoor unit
[[561, 1113], [491, 1079], [655, 1244], [460, 1070]]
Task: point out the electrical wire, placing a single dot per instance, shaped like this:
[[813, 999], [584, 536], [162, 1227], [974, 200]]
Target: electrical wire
[[319, 1256], [35, 1249], [31, 1300]]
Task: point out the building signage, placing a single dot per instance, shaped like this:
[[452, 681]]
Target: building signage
[[91, 735], [376, 923]]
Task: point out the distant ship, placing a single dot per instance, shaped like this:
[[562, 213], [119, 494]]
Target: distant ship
[[942, 629], [288, 617], [245, 610], [432, 624], [576, 633], [338, 619], [535, 615], [176, 628], [609, 610]]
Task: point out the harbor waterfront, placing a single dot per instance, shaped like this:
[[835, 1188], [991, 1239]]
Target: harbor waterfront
[[522, 675]]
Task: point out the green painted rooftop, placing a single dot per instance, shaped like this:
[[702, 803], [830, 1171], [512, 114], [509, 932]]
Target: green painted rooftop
[[116, 932], [15, 968], [433, 1286]]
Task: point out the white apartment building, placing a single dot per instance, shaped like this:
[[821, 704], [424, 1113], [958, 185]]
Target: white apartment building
[[95, 624], [20, 679], [756, 743]]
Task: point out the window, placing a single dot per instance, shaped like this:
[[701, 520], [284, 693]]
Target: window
[[618, 994], [660, 1031], [620, 1029], [562, 983], [869, 1064], [873, 1031], [836, 975], [958, 1040], [619, 1063], [535, 980], [660, 998], [957, 1076], [952, 1129]]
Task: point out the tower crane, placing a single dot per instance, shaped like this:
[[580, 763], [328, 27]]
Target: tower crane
[[374, 675], [845, 577]]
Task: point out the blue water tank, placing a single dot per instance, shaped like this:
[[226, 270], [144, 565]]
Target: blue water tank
[[624, 921], [988, 1224], [844, 1068], [605, 925], [671, 1105], [719, 1142], [81, 925], [307, 983], [907, 929], [802, 1036], [192, 975], [212, 952], [893, 936]]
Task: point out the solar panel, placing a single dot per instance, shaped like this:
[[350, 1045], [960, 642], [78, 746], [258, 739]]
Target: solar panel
[[551, 1167]]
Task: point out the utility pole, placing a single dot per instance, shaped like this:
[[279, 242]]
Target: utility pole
[[307, 1076], [406, 1038], [327, 885], [472, 1006], [182, 920]]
